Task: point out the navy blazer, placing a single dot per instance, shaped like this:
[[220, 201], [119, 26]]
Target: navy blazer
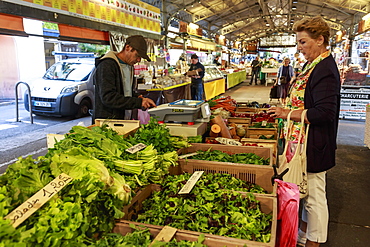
[[322, 99]]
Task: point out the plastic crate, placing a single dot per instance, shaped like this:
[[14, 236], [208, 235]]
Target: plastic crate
[[268, 206]]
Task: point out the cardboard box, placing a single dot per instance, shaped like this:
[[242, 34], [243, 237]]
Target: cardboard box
[[268, 206], [52, 139], [122, 127]]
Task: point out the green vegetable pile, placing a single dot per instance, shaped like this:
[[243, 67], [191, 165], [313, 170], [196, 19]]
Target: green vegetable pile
[[195, 139], [143, 238], [243, 158], [207, 209], [104, 175], [159, 136]]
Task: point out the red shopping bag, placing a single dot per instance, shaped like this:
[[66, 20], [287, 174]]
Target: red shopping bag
[[288, 207]]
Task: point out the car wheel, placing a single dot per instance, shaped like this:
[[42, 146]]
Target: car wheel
[[83, 108]]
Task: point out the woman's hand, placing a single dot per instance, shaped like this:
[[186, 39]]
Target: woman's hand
[[278, 112]]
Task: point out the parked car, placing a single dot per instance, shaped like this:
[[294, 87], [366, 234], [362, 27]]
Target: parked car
[[64, 90]]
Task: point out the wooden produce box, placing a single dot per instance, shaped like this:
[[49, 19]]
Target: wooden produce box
[[262, 152], [263, 143], [239, 120], [258, 132], [122, 127], [257, 174], [268, 206], [250, 109]]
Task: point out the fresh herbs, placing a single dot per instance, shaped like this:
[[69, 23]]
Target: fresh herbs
[[243, 158], [143, 238], [209, 208]]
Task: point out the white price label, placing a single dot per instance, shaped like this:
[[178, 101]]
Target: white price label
[[136, 148], [191, 182], [26, 209], [187, 155], [264, 123], [227, 141]]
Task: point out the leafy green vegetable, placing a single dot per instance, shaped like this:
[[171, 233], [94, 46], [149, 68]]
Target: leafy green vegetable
[[217, 155], [143, 238], [209, 208], [159, 136], [104, 175]]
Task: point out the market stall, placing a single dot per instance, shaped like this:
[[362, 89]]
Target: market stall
[[214, 82], [270, 74], [235, 78], [167, 94]]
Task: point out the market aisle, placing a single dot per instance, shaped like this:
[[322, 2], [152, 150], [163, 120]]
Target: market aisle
[[244, 93], [347, 183]]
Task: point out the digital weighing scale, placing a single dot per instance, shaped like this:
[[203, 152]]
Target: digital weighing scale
[[182, 110]]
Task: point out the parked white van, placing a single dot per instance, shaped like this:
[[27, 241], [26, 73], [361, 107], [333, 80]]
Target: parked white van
[[64, 90]]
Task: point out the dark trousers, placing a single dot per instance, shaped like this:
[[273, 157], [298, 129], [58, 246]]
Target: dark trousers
[[255, 76], [197, 91]]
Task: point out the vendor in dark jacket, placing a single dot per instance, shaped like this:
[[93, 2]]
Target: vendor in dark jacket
[[114, 81], [197, 73], [317, 89]]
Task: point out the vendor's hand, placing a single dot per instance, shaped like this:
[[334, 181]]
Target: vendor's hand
[[278, 112], [147, 103]]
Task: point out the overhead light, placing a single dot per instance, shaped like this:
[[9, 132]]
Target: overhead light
[[366, 17], [295, 1], [294, 7], [267, 24]]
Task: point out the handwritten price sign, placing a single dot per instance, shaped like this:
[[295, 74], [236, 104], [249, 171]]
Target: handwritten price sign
[[21, 213]]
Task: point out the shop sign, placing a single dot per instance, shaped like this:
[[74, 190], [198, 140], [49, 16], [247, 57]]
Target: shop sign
[[353, 105], [130, 14]]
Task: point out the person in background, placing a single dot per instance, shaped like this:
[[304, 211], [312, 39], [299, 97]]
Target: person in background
[[296, 64], [114, 81], [215, 61], [284, 78], [197, 89], [316, 89], [256, 67]]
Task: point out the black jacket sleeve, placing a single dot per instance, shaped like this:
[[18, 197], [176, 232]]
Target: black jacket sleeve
[[110, 88]]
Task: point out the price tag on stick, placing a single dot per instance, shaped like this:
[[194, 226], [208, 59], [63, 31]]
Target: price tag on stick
[[136, 148], [165, 235], [26, 209], [191, 182]]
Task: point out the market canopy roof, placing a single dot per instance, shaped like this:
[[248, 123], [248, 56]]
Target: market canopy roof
[[253, 19]]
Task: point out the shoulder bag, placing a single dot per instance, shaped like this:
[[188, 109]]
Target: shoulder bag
[[297, 166]]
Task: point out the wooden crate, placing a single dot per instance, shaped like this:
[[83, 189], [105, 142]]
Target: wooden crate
[[257, 174], [122, 127], [262, 152], [258, 132], [239, 120], [249, 109], [264, 143], [268, 206]]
